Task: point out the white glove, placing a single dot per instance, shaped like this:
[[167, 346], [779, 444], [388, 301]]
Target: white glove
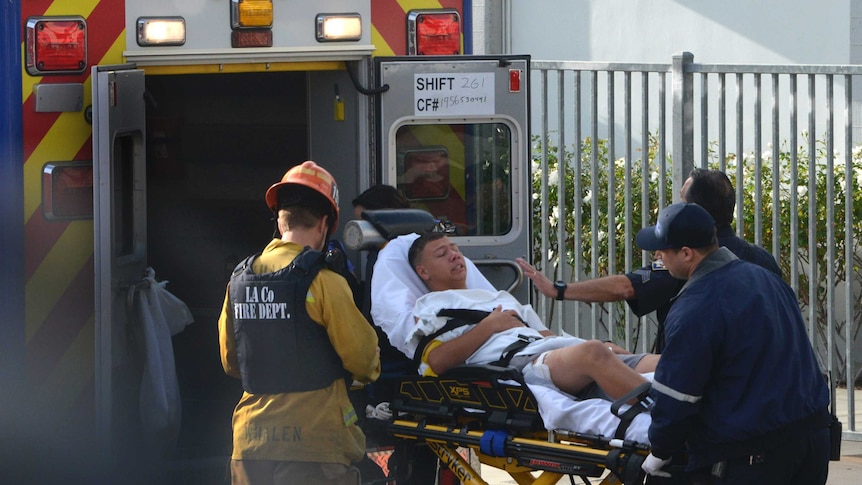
[[653, 466], [381, 411]]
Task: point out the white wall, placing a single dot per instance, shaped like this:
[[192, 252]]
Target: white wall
[[715, 31], [728, 31]]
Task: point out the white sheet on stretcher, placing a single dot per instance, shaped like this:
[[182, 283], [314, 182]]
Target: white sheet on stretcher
[[590, 416], [394, 291]]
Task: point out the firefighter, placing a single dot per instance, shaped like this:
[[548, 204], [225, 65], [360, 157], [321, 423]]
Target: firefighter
[[290, 330]]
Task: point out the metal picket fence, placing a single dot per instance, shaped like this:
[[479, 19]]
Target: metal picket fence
[[613, 143]]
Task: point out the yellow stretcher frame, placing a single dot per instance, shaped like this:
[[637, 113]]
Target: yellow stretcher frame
[[479, 408], [567, 457]]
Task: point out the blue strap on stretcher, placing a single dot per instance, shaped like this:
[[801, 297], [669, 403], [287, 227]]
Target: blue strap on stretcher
[[493, 442]]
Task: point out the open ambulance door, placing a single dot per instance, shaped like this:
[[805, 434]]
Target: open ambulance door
[[119, 175], [454, 138]]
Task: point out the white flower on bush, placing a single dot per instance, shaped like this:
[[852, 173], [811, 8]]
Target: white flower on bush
[[857, 152], [553, 178], [554, 216], [589, 197]]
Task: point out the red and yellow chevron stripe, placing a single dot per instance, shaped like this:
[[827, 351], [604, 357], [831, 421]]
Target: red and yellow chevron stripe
[[389, 25], [59, 295], [59, 263], [389, 36]]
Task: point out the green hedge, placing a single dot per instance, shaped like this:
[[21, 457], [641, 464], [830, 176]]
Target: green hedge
[[593, 259]]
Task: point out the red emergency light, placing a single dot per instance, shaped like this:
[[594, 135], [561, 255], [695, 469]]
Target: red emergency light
[[67, 190], [251, 38], [56, 45], [515, 80], [434, 32], [251, 23]]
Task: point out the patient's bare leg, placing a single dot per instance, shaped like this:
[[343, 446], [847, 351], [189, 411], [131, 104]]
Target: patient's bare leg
[[574, 368], [648, 363]]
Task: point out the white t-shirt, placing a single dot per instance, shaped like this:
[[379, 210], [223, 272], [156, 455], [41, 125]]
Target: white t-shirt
[[395, 287], [428, 322]]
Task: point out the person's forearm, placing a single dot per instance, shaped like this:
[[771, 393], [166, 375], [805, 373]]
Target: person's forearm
[[604, 289], [456, 351]]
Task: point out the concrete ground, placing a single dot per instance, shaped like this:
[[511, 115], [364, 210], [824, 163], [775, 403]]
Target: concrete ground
[[848, 471]]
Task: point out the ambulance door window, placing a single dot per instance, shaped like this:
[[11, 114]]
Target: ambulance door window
[[123, 185], [460, 173]]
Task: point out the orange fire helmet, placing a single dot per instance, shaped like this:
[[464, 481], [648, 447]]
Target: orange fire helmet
[[312, 176]]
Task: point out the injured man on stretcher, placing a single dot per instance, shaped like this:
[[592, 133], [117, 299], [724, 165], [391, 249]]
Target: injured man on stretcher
[[565, 374]]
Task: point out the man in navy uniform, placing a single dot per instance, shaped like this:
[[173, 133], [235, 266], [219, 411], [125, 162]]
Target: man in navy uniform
[[738, 387], [651, 288]]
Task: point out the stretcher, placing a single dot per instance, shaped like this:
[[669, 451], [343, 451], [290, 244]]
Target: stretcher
[[490, 410]]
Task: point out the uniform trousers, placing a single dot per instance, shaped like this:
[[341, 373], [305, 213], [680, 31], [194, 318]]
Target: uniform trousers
[[273, 472], [800, 461]]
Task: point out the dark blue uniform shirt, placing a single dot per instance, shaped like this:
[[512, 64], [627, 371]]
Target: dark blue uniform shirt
[[738, 370], [655, 287]]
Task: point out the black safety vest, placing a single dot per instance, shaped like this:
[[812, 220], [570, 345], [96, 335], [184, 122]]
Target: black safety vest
[[279, 347]]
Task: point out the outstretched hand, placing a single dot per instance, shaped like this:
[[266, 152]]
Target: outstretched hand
[[541, 281]]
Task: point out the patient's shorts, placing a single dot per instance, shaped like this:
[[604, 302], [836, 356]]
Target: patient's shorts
[[631, 360]]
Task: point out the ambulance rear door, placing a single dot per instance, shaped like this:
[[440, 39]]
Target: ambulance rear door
[[454, 138], [119, 174]]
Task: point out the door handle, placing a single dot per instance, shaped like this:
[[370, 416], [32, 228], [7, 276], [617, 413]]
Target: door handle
[[506, 263], [131, 290]]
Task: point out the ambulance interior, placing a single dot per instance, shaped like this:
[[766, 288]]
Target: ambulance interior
[[214, 144]]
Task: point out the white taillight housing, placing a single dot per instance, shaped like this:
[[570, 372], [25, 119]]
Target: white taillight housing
[[338, 27], [433, 32], [250, 14], [161, 31], [56, 45]]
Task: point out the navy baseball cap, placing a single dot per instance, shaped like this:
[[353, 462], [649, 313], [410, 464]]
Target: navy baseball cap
[[679, 225]]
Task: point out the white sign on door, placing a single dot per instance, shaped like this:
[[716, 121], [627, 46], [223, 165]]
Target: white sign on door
[[463, 94]]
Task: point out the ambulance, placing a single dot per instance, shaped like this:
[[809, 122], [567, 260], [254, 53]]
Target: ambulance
[[139, 137]]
